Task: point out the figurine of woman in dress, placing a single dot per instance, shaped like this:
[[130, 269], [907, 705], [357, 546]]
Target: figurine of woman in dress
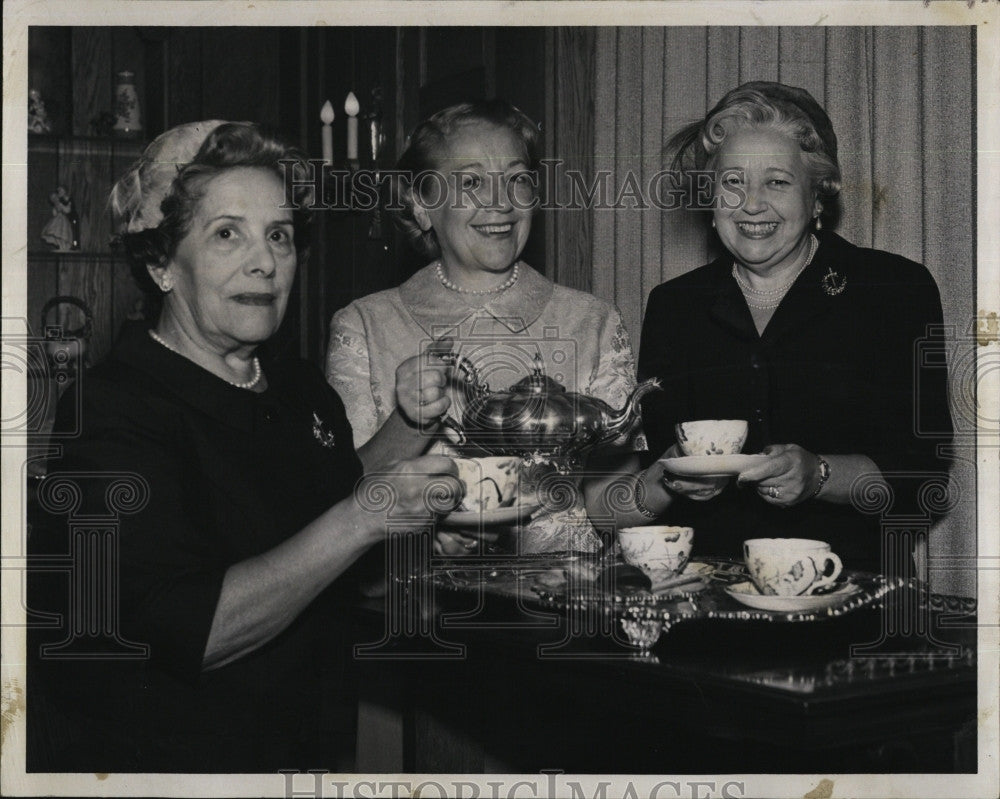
[[58, 231]]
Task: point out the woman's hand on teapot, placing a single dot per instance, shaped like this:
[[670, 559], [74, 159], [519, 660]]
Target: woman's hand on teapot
[[789, 476], [421, 385], [699, 489]]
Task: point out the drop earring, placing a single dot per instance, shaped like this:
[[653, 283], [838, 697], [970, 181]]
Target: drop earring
[[819, 223]]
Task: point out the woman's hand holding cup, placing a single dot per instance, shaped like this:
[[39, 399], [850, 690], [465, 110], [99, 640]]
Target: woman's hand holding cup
[[709, 437], [422, 385], [421, 488], [789, 476], [699, 489]]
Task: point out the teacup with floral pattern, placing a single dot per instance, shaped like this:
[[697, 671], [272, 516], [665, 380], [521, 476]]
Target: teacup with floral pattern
[[790, 566], [711, 436], [657, 549]]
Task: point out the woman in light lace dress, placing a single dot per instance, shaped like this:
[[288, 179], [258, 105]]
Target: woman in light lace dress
[[467, 193]]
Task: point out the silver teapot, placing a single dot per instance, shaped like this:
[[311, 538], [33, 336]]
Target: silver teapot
[[538, 417]]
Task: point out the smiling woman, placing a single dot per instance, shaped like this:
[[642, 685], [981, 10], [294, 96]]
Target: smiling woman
[[810, 339], [467, 185]]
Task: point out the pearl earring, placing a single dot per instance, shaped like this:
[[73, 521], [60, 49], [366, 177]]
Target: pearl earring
[[713, 221], [819, 223]]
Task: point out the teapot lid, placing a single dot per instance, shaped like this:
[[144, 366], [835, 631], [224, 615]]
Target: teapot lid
[[537, 383]]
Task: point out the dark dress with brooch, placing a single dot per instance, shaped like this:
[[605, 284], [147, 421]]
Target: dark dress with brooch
[[862, 371], [212, 475]]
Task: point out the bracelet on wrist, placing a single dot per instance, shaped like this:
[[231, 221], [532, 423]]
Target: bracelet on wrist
[[824, 474], [638, 495]]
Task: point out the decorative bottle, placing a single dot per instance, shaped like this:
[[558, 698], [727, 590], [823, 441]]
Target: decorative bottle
[[127, 119]]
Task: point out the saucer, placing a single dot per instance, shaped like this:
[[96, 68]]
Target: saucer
[[710, 465], [747, 593]]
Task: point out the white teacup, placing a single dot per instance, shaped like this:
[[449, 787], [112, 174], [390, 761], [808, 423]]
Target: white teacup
[[490, 483], [711, 436], [656, 548], [790, 566]]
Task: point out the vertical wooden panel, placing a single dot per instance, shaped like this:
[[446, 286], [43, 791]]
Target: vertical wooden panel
[[241, 88], [653, 138], [630, 112], [759, 53], [685, 86], [898, 139], [184, 62], [92, 76], [606, 122], [89, 279], [803, 60], [85, 169], [849, 103], [43, 283], [723, 54], [949, 159], [574, 143]]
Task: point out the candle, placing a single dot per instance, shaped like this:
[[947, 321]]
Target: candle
[[327, 115], [351, 107]]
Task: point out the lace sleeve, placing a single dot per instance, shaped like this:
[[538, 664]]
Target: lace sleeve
[[613, 379], [348, 370]]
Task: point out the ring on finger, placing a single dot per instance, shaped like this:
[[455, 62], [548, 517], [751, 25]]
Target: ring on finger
[[773, 492]]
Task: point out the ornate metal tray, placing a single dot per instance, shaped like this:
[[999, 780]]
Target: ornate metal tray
[[585, 582]]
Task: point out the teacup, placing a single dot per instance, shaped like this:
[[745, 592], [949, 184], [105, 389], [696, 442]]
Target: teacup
[[656, 548], [790, 566], [711, 436], [490, 483]]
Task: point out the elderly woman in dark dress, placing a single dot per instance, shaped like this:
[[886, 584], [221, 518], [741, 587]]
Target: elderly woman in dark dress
[[812, 340], [242, 470]]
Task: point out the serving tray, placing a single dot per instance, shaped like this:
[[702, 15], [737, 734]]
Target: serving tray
[[585, 582]]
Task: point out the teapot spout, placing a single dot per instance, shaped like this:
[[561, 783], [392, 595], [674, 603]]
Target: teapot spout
[[625, 420]]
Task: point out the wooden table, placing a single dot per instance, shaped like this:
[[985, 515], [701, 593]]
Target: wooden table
[[482, 684]]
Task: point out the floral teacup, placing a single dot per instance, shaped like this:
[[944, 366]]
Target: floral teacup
[[790, 566], [657, 549], [490, 483], [711, 436]]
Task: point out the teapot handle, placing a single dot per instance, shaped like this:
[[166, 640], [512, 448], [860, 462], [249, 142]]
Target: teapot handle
[[455, 427], [471, 373]]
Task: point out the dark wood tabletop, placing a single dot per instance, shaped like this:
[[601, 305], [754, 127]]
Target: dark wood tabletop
[[478, 682]]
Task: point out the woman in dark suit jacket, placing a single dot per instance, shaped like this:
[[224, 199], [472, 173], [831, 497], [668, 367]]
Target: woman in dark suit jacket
[[831, 352]]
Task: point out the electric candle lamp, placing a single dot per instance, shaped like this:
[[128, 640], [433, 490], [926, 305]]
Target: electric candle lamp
[[327, 116], [352, 108]]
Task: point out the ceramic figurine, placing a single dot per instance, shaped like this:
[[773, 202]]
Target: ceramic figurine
[[60, 231], [38, 117]]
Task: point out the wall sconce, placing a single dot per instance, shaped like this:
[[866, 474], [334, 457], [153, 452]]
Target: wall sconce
[[342, 188]]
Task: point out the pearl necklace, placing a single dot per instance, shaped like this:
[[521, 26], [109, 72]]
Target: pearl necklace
[[253, 381], [773, 296], [495, 290]]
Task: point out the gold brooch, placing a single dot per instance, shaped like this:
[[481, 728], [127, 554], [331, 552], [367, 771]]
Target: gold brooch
[[324, 437], [833, 282]]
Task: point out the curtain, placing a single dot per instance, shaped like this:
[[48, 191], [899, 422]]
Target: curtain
[[902, 104]]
